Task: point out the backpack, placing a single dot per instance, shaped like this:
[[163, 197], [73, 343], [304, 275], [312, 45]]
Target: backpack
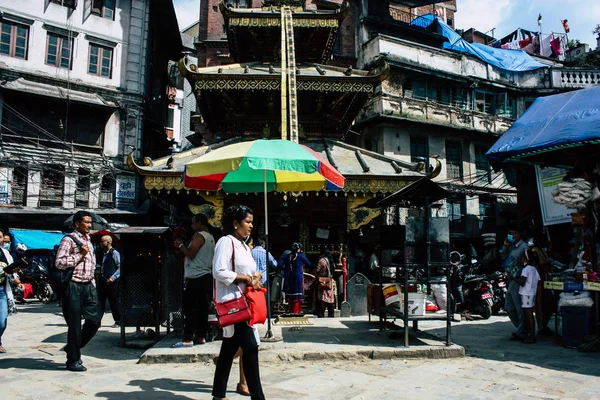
[[60, 278]]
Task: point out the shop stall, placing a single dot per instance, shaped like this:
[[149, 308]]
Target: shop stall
[[560, 136], [405, 292]]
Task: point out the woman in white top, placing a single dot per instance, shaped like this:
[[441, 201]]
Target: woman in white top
[[198, 281], [237, 221]]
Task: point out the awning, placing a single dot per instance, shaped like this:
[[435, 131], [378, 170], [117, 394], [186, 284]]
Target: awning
[[42, 89], [35, 239], [552, 123]]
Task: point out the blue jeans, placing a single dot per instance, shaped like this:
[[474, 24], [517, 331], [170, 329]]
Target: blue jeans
[[3, 311]]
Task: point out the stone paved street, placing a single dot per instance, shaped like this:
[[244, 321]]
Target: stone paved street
[[494, 368]]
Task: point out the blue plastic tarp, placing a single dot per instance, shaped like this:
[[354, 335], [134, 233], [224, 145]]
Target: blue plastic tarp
[[34, 239], [509, 60], [557, 120]]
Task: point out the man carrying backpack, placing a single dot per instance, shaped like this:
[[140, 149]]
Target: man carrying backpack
[[75, 255]]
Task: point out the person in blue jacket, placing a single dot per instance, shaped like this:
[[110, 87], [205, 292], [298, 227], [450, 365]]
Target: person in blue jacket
[[293, 285]]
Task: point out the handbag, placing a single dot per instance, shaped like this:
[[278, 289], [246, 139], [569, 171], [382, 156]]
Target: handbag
[[258, 305], [233, 311], [325, 282]]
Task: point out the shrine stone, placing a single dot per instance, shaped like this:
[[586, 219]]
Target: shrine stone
[[357, 294]]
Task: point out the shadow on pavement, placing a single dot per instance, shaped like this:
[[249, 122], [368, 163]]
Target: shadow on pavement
[[161, 389], [30, 363], [491, 341], [38, 308]]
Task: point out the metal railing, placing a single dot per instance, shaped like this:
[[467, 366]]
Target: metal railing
[[106, 199], [18, 194], [82, 198]]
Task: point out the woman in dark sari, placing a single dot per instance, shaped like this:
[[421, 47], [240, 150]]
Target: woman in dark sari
[[293, 284]]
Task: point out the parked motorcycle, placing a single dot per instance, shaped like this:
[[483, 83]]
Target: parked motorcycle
[[473, 291], [499, 288], [36, 275]]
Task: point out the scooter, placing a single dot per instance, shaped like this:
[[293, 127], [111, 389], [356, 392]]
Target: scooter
[[499, 285], [474, 291]]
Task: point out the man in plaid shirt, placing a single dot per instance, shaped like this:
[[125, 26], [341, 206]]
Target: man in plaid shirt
[[80, 296]]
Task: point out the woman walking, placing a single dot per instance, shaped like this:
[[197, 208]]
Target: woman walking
[[232, 250], [324, 291], [198, 281], [293, 285], [6, 297]]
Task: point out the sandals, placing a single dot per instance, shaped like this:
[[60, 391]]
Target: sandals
[[2, 350], [180, 345], [238, 389], [200, 341]]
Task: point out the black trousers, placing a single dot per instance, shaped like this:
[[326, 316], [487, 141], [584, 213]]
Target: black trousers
[[110, 292], [80, 300], [244, 338], [197, 295]]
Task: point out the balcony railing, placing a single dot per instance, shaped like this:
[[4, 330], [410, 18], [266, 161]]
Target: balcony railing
[[575, 77], [51, 196], [82, 198], [106, 199], [18, 194]]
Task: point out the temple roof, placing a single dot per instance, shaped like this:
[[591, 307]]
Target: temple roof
[[353, 162], [254, 34], [246, 98]]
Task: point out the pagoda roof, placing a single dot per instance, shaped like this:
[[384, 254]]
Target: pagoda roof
[[266, 76], [254, 34], [246, 98], [364, 170]]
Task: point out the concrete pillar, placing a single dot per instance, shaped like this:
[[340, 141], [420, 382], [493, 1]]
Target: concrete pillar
[[34, 181], [69, 189], [95, 181]]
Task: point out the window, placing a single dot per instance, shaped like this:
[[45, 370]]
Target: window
[[456, 213], [494, 103], [59, 51], [104, 8], [483, 173], [66, 3], [19, 186], [454, 165], [82, 193], [107, 192], [13, 39], [100, 61], [487, 213], [52, 185], [419, 149]]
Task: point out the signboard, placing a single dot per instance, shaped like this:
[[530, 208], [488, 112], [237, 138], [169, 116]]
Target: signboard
[[547, 180], [3, 185], [125, 191]]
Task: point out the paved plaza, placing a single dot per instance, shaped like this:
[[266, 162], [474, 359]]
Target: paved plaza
[[493, 368]]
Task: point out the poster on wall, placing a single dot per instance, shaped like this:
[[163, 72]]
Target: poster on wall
[[125, 191], [3, 185], [547, 180]]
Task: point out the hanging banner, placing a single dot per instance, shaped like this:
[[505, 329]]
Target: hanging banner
[[547, 180]]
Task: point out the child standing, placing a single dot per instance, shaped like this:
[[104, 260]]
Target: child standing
[[529, 283]]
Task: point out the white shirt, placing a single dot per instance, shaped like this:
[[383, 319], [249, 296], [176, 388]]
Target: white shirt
[[533, 277], [225, 277]]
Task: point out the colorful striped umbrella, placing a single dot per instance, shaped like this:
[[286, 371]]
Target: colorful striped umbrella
[[262, 165], [241, 168]]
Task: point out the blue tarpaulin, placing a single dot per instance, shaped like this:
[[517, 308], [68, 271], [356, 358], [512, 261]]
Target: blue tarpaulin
[[509, 60], [34, 239], [553, 122]]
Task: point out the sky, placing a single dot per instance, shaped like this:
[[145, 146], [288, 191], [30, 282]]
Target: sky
[[483, 15]]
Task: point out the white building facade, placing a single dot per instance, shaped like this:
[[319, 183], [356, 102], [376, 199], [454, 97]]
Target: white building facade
[[75, 92]]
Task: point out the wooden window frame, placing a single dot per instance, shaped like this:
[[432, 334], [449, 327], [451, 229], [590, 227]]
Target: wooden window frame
[[65, 3], [101, 10], [59, 49], [99, 63], [458, 162], [479, 170], [413, 156], [13, 39]]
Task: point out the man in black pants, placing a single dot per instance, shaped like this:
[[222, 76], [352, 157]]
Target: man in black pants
[[80, 298], [108, 284]]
